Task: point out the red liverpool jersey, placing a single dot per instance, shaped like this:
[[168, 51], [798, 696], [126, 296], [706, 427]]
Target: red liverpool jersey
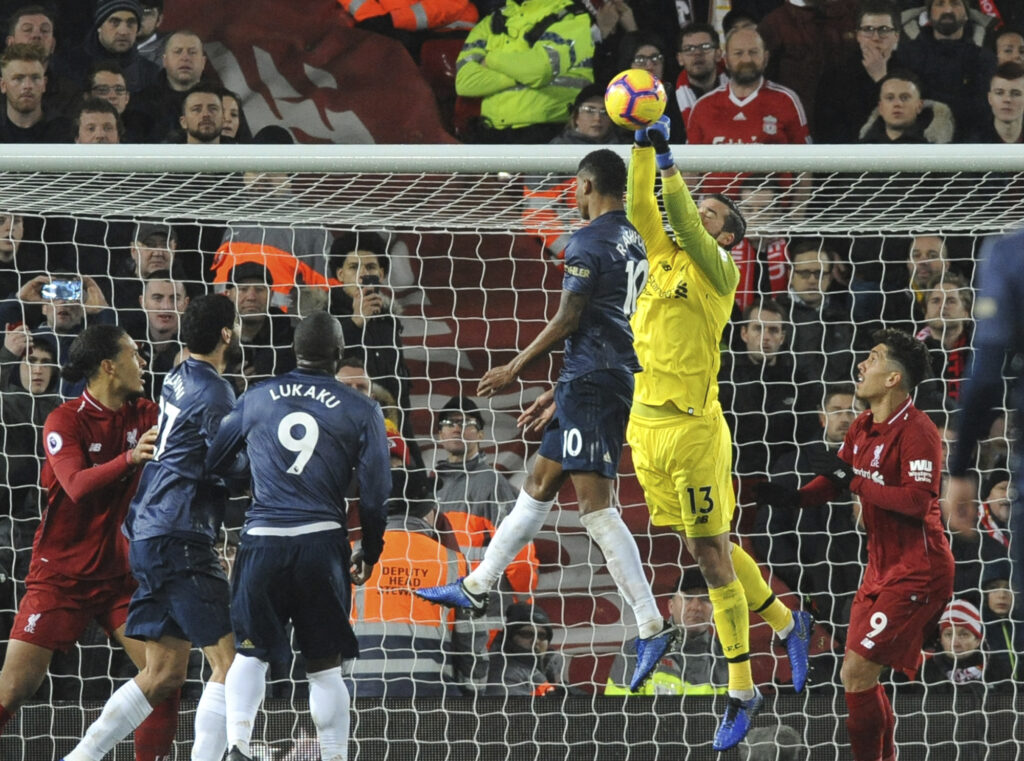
[[771, 114], [89, 481], [898, 463]]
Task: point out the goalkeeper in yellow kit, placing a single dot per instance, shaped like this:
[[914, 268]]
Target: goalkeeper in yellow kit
[[680, 441]]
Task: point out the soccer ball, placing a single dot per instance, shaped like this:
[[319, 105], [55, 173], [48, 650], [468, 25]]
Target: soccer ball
[[635, 98]]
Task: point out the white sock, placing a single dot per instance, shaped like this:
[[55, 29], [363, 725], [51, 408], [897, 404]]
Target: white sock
[[244, 688], [211, 724], [329, 706], [126, 709], [519, 528], [608, 530], [785, 630]]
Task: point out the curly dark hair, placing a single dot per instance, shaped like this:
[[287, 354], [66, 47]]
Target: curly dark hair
[[909, 353]]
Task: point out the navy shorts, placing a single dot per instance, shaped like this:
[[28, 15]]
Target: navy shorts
[[303, 579], [589, 427], [183, 591]]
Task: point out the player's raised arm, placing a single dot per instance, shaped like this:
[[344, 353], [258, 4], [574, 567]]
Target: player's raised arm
[[706, 233]]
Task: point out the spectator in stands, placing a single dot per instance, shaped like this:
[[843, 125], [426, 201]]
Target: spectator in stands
[[758, 392], [23, 83], [152, 250], [183, 64], [64, 317], [1006, 106], [777, 743], [149, 41], [163, 300], [589, 123], [822, 321], [34, 25], [817, 553], [951, 62], [407, 646], [848, 90], [1009, 46], [699, 666], [526, 61], [96, 121], [235, 128], [771, 113], [106, 81], [927, 258], [994, 511], [521, 661], [28, 393], [647, 50], [903, 116], [352, 373], [373, 331], [962, 661], [202, 116], [947, 332], [266, 330], [702, 68], [12, 232], [800, 38], [983, 541], [1001, 631], [474, 498], [113, 37]]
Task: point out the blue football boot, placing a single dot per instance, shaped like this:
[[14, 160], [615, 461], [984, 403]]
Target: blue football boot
[[455, 596], [736, 723], [649, 651], [797, 647]]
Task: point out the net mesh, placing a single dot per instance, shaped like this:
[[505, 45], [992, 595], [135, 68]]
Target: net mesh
[[475, 275]]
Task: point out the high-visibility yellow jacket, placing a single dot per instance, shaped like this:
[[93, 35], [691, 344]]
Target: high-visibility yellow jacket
[[527, 61]]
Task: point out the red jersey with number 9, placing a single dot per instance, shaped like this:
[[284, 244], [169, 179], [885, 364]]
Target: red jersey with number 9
[[898, 463]]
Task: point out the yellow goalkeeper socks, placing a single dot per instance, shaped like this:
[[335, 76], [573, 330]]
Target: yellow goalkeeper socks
[[733, 626], [759, 595]]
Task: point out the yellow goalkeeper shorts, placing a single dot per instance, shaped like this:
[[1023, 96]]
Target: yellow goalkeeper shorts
[[684, 463]]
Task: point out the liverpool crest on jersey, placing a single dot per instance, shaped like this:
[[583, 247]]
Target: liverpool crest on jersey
[[770, 125]]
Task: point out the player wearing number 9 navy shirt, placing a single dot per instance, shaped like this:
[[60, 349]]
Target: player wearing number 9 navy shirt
[[183, 594], [306, 435], [605, 272]]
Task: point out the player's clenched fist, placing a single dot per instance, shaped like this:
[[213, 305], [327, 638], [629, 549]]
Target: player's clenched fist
[[146, 447]]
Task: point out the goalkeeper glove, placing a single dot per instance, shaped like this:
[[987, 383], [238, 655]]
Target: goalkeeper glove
[[825, 462], [657, 133], [769, 494], [640, 138]]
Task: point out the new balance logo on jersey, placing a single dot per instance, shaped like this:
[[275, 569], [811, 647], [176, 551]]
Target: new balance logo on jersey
[[95, 447], [867, 643], [681, 291], [666, 266], [33, 619], [921, 470]]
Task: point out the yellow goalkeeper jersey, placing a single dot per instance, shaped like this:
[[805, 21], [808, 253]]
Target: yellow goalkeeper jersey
[[680, 315]]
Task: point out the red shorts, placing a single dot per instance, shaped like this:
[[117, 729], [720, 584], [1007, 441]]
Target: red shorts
[[53, 614], [891, 626]]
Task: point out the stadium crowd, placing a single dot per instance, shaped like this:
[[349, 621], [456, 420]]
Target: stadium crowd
[[779, 71]]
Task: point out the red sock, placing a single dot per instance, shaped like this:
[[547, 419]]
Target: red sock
[[154, 738], [889, 735], [866, 723], [5, 716]]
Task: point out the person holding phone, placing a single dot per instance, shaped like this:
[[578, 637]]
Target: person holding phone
[[368, 316]]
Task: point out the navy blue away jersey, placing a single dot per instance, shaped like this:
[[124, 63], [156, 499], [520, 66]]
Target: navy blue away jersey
[[175, 495], [607, 262], [306, 435]]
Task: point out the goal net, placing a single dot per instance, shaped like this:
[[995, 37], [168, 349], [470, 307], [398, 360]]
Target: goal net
[[838, 242]]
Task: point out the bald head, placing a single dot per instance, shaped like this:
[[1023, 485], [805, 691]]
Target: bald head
[[318, 342]]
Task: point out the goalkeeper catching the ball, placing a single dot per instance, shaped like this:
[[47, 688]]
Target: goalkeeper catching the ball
[[681, 445]]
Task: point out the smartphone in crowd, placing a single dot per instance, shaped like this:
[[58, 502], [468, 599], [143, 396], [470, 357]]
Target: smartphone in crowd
[[370, 282], [63, 290]]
